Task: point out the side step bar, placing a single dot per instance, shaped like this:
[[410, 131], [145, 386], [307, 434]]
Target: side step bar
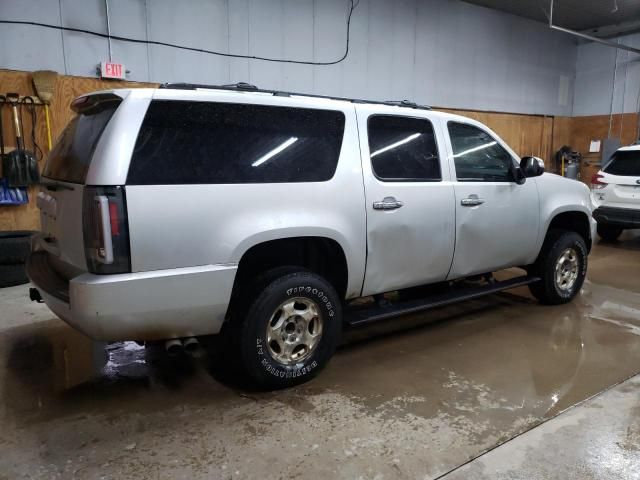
[[356, 316]]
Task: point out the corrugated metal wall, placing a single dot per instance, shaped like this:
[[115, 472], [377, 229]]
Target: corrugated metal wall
[[440, 52], [594, 79]]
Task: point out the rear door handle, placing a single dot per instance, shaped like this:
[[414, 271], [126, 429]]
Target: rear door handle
[[471, 201], [387, 203]]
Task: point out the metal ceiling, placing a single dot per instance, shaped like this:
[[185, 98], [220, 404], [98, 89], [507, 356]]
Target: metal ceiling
[[602, 18]]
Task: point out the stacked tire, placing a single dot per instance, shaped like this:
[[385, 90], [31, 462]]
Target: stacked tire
[[14, 250]]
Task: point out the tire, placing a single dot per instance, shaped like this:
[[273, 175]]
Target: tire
[[12, 275], [15, 246], [298, 346], [551, 289], [609, 233]]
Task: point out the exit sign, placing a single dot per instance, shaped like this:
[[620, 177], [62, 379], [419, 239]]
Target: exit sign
[[112, 70]]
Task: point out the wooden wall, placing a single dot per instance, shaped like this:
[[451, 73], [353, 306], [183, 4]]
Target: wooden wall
[[535, 135], [585, 129], [25, 217]]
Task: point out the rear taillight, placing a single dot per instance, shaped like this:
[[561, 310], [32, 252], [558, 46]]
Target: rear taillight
[[596, 182], [106, 232]]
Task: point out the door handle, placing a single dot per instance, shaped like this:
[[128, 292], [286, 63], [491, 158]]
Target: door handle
[[387, 203], [471, 201]]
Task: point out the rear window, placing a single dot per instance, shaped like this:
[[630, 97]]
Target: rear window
[[626, 163], [204, 142], [70, 159]]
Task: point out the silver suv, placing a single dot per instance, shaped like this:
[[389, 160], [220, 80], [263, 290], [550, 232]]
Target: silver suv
[[184, 211]]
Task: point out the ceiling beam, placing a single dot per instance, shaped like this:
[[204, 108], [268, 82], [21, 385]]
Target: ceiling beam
[[609, 31], [589, 37]]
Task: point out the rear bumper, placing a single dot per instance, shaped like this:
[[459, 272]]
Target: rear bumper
[[152, 305], [620, 217]]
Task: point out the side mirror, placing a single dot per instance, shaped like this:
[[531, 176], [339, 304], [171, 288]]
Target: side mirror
[[517, 175], [532, 166]]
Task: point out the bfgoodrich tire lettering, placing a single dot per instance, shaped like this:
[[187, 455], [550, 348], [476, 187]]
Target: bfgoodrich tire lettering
[[562, 254], [258, 357]]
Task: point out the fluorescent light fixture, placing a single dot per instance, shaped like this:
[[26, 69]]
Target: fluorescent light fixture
[[275, 151], [475, 149], [410, 138]]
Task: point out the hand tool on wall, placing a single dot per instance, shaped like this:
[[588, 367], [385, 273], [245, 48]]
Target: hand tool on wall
[[44, 82], [8, 195], [13, 99], [30, 104], [3, 101], [20, 167]]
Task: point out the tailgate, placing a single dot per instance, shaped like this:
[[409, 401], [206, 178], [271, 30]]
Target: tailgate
[[621, 191], [60, 205], [61, 197]]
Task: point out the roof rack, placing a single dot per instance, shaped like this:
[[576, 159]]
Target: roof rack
[[247, 87]]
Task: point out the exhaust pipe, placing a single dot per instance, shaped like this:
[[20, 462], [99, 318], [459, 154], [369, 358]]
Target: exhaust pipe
[[191, 345], [173, 347]]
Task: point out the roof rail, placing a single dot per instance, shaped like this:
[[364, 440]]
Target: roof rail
[[247, 87]]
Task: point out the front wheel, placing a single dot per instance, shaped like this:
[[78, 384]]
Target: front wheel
[[562, 267], [290, 329]]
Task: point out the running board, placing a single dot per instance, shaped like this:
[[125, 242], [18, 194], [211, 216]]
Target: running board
[[357, 316]]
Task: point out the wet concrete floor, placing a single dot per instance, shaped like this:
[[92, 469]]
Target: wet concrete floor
[[411, 398]]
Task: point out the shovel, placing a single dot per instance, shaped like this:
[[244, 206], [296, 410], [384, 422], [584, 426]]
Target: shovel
[[8, 195], [19, 167]]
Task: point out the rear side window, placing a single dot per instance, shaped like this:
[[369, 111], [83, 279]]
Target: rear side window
[[626, 163], [403, 149], [70, 159], [203, 142], [478, 157]]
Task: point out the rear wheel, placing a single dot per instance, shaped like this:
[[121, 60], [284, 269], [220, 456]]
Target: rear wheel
[[562, 267], [290, 329], [609, 233]]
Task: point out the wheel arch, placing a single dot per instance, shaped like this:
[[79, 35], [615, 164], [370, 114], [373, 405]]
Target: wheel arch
[[322, 255], [573, 220]]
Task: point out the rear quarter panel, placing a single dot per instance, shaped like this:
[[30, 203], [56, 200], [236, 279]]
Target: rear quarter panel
[[174, 226]]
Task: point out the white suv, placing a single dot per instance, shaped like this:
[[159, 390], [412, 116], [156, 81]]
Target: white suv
[[615, 192], [184, 211]]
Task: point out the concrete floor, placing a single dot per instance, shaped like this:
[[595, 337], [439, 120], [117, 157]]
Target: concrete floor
[[422, 397]]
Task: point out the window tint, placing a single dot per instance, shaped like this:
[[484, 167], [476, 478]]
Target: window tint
[[624, 163], [70, 159], [203, 142], [477, 155], [403, 149]]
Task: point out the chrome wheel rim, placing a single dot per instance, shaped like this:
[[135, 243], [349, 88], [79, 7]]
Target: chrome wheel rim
[[294, 330], [566, 271]]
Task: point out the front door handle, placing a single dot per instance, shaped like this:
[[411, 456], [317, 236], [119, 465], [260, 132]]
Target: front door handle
[[387, 203], [471, 201]]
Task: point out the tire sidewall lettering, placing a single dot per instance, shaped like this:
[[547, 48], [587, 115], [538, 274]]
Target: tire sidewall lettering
[[293, 371]]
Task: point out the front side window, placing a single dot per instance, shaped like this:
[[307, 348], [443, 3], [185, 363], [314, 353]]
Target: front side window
[[403, 149], [477, 155], [184, 142]]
